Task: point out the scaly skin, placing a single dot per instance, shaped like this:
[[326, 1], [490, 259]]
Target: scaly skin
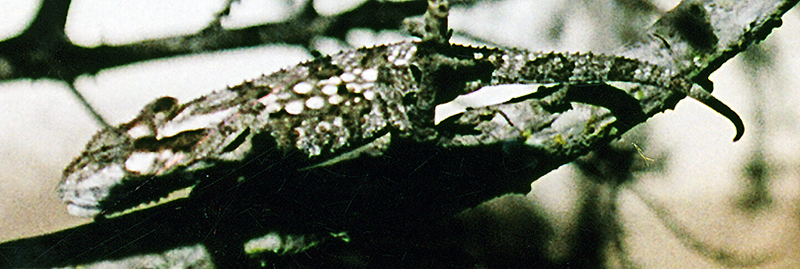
[[324, 110]]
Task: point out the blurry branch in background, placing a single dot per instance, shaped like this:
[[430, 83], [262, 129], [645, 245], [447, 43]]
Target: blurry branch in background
[[43, 50]]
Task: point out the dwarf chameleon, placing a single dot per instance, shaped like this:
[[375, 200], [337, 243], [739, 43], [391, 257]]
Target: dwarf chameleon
[[325, 110]]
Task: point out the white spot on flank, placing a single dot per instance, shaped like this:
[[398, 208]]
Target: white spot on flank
[[273, 107], [347, 77], [330, 89], [331, 81], [335, 99], [354, 87], [369, 95], [268, 99], [302, 88], [315, 102], [294, 107], [477, 55], [285, 95], [370, 75], [271, 103]]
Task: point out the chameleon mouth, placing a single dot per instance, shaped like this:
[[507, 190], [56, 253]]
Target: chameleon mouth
[[113, 189], [80, 202], [83, 196], [82, 210]]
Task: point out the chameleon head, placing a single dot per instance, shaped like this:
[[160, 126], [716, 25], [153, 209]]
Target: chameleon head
[[88, 180], [119, 161], [115, 174]]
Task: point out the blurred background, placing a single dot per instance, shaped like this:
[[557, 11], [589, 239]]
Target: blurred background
[[674, 192]]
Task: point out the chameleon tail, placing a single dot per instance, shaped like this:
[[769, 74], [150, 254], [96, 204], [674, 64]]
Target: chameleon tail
[[709, 100]]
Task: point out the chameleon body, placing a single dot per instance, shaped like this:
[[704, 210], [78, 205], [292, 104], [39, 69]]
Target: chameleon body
[[324, 110]]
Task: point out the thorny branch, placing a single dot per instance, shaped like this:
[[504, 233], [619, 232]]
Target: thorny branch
[[694, 39]]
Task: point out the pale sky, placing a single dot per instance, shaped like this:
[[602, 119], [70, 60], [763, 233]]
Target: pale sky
[[94, 22]]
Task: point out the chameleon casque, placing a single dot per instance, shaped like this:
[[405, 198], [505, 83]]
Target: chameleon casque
[[330, 109]]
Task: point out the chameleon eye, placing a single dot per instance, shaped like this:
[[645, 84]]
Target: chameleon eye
[[163, 104], [104, 156], [183, 141]]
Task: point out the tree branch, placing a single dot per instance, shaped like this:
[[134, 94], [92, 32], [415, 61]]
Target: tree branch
[[694, 39]]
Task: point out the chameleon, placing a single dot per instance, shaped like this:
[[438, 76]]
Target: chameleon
[[326, 110]]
